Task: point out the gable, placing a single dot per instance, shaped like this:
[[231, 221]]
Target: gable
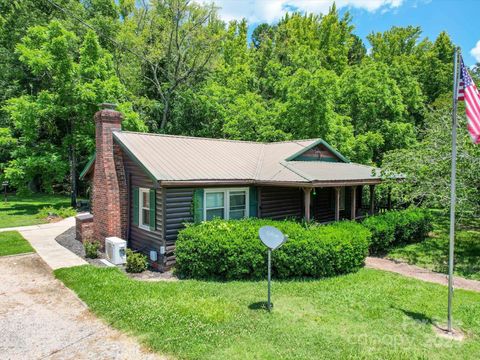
[[318, 151]]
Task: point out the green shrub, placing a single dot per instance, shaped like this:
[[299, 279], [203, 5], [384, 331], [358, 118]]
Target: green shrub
[[232, 250], [91, 248], [398, 227], [136, 262], [62, 212]]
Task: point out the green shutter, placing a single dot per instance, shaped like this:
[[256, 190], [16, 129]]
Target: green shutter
[[136, 197], [153, 210], [198, 206], [253, 202]]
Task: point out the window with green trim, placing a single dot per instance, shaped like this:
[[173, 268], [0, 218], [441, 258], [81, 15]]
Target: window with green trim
[[226, 203], [144, 209]]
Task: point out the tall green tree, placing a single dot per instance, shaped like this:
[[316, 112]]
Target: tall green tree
[[171, 45], [55, 123], [426, 167]]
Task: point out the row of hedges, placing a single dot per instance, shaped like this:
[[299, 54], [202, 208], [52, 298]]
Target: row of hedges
[[232, 250], [398, 227]]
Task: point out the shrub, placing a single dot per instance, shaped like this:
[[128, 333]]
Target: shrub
[[398, 227], [232, 250], [62, 212], [91, 248], [136, 262]]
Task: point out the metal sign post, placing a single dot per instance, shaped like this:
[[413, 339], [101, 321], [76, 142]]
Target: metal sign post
[[272, 238], [452, 192], [5, 184], [269, 306]]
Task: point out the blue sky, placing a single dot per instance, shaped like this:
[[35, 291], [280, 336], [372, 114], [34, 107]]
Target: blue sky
[[460, 18]]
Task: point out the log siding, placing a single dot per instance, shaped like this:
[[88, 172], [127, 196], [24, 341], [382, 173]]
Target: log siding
[[140, 239], [280, 203]]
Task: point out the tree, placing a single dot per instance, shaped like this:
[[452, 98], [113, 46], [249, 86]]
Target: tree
[[55, 123], [173, 43], [426, 167], [398, 41], [374, 102]]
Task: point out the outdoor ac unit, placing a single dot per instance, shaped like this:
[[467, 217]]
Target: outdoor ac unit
[[115, 249]]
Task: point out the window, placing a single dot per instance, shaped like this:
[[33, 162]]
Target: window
[[226, 203], [144, 208], [215, 205]]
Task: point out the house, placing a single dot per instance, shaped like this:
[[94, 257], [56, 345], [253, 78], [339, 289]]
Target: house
[[147, 186]]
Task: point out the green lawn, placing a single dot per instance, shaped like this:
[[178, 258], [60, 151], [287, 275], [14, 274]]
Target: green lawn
[[433, 252], [369, 314], [23, 210], [11, 243]]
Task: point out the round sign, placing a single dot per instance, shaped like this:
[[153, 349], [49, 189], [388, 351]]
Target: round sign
[[271, 237]]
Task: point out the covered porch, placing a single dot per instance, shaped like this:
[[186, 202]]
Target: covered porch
[[321, 204]]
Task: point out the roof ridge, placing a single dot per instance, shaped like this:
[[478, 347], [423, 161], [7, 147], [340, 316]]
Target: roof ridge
[[190, 137], [216, 139]]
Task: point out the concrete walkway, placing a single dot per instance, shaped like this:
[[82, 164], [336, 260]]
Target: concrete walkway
[[42, 239], [41, 319], [420, 273]]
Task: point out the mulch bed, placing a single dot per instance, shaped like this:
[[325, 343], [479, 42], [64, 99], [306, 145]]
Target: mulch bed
[[67, 240]]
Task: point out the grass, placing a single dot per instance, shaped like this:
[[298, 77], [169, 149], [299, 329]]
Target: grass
[[370, 314], [11, 243], [433, 252], [23, 210]]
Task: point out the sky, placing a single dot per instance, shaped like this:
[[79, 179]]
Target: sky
[[460, 18]]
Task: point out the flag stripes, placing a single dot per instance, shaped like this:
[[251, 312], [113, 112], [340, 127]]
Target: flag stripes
[[468, 92]]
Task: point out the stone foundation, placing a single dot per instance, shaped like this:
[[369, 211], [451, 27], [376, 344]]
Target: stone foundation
[[84, 227]]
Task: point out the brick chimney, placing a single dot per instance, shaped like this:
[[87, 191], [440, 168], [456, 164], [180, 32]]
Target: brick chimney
[[110, 198]]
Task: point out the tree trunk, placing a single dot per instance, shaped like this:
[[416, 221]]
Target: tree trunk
[[165, 114], [73, 177]]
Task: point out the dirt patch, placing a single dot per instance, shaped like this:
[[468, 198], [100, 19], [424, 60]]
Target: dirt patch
[[41, 318], [455, 334]]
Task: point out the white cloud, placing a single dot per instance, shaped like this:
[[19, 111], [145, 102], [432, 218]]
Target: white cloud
[[256, 11], [476, 51]]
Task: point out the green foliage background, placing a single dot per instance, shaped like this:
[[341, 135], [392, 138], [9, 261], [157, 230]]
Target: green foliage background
[[174, 67]]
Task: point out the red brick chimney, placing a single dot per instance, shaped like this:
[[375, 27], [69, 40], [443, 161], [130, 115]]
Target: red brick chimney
[[110, 199]]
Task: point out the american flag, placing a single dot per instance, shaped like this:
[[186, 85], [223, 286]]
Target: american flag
[[467, 91]]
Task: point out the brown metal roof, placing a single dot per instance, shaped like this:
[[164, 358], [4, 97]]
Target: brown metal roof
[[176, 159]]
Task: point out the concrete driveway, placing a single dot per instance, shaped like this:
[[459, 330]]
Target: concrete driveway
[[41, 319]]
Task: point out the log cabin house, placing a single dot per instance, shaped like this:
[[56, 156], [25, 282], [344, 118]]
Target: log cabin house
[[145, 187]]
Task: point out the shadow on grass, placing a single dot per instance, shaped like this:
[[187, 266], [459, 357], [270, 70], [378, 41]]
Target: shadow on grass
[[260, 305], [418, 317]]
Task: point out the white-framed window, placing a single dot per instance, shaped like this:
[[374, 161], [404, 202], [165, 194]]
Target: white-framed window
[[225, 203], [144, 208]]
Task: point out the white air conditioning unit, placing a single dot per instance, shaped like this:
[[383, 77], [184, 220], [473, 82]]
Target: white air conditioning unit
[[115, 249]]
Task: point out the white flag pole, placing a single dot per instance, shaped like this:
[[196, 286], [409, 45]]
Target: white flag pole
[[453, 189]]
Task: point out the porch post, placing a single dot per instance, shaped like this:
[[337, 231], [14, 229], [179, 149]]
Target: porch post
[[372, 199], [337, 204], [389, 199], [306, 194], [353, 203]]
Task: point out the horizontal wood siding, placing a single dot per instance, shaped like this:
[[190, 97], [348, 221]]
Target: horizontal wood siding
[[178, 211], [140, 239], [280, 202], [323, 205]]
